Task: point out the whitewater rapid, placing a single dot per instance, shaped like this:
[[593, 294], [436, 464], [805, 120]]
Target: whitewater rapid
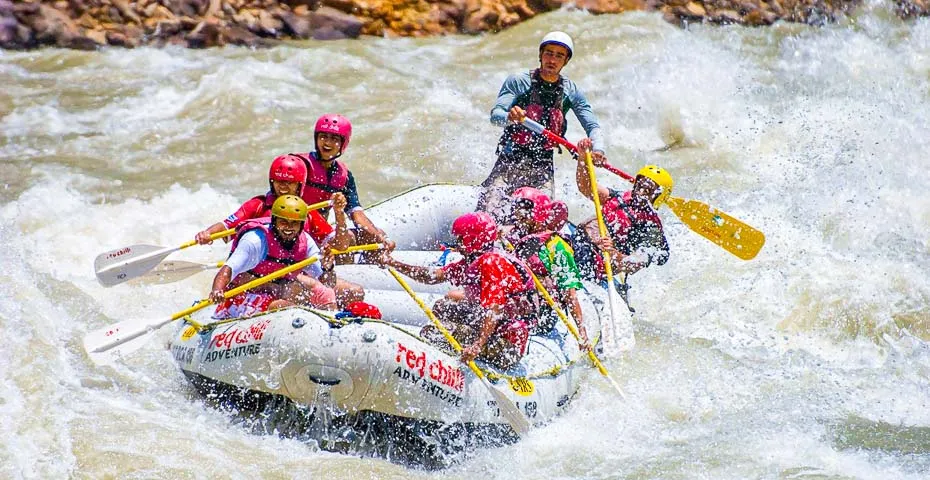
[[809, 361]]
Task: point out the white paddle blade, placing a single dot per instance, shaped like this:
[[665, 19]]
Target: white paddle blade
[[109, 357], [172, 271], [508, 409], [117, 266], [622, 322], [120, 338]]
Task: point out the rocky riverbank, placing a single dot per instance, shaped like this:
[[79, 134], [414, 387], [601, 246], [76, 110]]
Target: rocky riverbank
[[88, 24]]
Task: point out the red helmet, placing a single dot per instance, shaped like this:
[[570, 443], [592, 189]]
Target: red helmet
[[476, 231], [539, 200], [556, 216], [334, 123], [288, 168]]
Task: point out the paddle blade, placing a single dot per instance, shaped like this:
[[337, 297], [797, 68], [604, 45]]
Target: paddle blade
[[117, 266], [107, 343], [621, 325], [729, 233], [508, 409], [172, 271]]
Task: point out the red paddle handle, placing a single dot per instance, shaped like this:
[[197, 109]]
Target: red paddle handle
[[537, 128]]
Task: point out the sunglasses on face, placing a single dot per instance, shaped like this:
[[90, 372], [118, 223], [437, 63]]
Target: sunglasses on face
[[523, 204]]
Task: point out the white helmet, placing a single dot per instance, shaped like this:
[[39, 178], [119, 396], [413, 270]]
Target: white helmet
[[558, 38]]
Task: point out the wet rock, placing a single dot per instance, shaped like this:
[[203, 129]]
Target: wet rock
[[99, 37], [128, 23], [205, 35], [331, 24], [695, 9], [13, 35], [298, 26], [347, 6]]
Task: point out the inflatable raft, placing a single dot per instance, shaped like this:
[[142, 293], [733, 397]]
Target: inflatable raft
[[376, 387]]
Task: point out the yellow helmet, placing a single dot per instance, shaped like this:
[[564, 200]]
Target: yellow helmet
[[290, 207], [662, 178]]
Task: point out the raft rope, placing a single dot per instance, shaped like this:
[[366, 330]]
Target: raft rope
[[341, 322]]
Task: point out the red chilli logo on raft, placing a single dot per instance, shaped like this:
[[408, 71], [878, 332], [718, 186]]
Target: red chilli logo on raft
[[238, 336], [447, 375]]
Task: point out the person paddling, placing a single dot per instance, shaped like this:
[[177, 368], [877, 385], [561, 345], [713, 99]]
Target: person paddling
[[327, 175], [263, 246], [536, 240], [525, 159], [636, 237], [491, 318], [287, 176]]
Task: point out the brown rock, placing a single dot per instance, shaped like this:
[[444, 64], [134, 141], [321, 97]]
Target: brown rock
[[246, 19], [25, 9], [167, 28], [599, 6], [12, 34], [695, 9], [163, 13], [53, 27], [236, 35], [759, 17], [347, 6], [268, 23], [129, 37], [127, 11], [301, 10], [727, 16], [98, 36], [331, 24], [206, 34], [483, 20], [297, 25]]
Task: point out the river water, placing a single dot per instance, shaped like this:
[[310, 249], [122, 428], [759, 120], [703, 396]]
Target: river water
[[809, 362]]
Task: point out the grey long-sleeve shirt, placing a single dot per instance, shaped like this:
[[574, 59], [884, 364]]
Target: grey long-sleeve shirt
[[518, 84]]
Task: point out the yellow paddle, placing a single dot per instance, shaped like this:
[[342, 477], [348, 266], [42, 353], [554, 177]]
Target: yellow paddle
[[117, 266], [723, 230], [517, 421], [622, 326], [570, 325], [103, 344]]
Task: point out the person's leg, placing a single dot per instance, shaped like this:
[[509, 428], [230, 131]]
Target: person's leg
[[494, 197], [348, 292], [309, 291], [500, 353]]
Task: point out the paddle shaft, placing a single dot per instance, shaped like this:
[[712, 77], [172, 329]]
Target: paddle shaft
[[733, 235], [568, 324], [203, 303]]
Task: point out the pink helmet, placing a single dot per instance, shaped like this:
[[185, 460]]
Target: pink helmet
[[476, 231], [334, 123], [539, 200], [557, 216], [288, 168]]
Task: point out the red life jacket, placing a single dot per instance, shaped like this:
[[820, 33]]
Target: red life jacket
[[278, 257], [628, 226], [520, 303], [545, 109], [531, 258], [267, 201], [319, 185]]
